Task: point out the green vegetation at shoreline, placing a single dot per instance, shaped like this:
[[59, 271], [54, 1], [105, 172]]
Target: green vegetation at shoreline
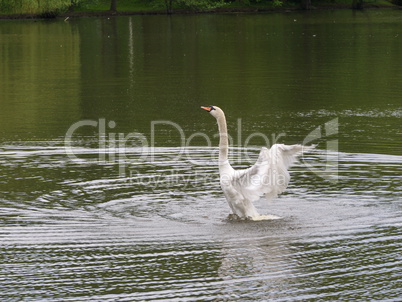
[[121, 6], [66, 8]]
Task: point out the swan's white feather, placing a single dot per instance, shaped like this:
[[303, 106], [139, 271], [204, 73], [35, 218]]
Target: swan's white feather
[[269, 176]]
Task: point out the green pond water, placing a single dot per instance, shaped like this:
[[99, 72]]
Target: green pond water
[[109, 188]]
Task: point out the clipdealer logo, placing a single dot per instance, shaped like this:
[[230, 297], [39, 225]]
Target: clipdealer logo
[[126, 149]]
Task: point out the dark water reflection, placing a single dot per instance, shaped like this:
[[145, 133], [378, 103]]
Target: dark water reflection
[[152, 227]]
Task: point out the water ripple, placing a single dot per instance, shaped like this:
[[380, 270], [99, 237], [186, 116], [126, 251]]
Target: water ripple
[[82, 232]]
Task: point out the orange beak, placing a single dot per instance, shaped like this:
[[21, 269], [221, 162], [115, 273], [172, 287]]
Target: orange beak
[[207, 108]]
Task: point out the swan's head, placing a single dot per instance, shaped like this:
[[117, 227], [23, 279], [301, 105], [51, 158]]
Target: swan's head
[[214, 110]]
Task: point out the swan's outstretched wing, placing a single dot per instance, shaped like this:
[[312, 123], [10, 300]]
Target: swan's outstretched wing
[[269, 176]]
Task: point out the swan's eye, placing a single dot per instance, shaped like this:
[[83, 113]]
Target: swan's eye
[[212, 108]]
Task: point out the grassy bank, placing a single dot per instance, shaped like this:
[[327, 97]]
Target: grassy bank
[[122, 6], [131, 7], [245, 5]]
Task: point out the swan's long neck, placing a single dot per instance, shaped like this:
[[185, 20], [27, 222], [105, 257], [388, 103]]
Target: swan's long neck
[[223, 141]]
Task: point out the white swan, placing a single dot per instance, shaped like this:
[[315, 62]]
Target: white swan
[[268, 176]]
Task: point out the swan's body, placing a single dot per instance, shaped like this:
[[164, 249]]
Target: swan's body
[[269, 176]]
